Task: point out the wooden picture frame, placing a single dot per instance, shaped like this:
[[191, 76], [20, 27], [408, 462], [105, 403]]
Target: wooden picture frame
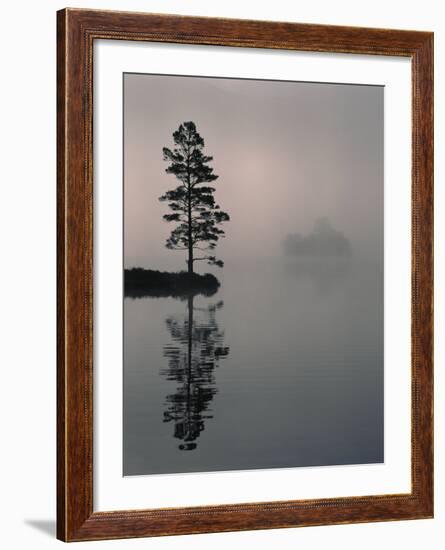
[[76, 32]]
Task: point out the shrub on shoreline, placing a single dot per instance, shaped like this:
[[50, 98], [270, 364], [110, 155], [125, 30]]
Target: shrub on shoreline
[[139, 282]]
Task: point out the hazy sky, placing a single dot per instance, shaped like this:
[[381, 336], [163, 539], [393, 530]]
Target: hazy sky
[[287, 154]]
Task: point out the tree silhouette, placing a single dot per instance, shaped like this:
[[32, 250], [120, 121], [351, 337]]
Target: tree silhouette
[[197, 348], [193, 204]]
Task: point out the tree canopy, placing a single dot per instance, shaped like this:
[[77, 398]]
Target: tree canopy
[[192, 203]]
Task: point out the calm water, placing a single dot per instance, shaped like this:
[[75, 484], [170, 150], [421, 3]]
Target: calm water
[[282, 367]]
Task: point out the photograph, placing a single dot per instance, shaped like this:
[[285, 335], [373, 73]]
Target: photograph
[[253, 274]]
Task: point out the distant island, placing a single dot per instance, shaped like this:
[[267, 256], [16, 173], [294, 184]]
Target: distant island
[[139, 282], [324, 241]]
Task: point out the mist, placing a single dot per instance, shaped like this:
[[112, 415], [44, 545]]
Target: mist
[[289, 332], [287, 154]]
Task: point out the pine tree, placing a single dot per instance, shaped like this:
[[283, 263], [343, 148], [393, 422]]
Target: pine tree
[[195, 211]]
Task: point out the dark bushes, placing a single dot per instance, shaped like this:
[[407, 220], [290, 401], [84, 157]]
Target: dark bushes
[[139, 282]]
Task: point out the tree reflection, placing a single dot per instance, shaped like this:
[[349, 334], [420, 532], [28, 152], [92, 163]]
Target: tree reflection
[[198, 346]]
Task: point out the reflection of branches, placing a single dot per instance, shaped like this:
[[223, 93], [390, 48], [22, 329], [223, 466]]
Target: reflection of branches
[[197, 350]]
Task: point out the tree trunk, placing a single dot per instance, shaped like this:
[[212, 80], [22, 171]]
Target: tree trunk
[[190, 260], [190, 243]]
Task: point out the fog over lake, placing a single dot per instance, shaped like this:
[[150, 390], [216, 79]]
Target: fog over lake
[[283, 365]]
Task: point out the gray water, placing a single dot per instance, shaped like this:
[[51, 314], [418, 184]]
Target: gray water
[[282, 367]]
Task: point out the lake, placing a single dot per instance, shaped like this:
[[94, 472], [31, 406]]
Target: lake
[[282, 367]]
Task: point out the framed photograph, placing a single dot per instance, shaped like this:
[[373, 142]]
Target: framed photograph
[[245, 282]]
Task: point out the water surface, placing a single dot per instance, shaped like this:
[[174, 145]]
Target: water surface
[[282, 367]]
